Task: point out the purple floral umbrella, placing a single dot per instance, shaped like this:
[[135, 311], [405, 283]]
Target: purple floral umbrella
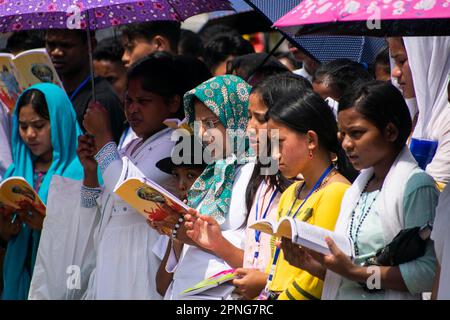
[[16, 15]]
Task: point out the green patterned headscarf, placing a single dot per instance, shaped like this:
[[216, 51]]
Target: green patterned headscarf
[[227, 97]]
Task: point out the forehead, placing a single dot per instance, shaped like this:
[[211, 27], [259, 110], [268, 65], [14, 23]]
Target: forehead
[[134, 88], [201, 111], [187, 169], [256, 103], [27, 113], [63, 36], [396, 46], [351, 116], [279, 126], [106, 67]]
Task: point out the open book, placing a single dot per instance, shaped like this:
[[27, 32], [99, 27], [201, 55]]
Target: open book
[[16, 191], [215, 287], [17, 73], [174, 123], [146, 196], [304, 234]]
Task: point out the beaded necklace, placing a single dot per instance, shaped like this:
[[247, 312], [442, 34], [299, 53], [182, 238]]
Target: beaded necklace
[[364, 215]]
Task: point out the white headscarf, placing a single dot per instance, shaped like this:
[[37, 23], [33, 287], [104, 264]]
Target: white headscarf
[[429, 60]]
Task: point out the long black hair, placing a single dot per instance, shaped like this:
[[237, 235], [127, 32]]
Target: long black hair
[[270, 91], [306, 110]]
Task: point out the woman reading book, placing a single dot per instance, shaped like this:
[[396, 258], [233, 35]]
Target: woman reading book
[[391, 194], [44, 142], [262, 195], [218, 112], [307, 144], [125, 264]]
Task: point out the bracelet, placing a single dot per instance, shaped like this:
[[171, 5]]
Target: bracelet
[[176, 227]]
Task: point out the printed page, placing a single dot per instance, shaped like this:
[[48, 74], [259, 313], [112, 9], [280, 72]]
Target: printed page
[[264, 225], [35, 66], [286, 228], [313, 237], [9, 85]]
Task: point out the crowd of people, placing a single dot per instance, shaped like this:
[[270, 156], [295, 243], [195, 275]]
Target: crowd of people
[[346, 162]]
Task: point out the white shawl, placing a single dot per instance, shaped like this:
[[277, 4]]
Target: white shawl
[[389, 204], [429, 60]]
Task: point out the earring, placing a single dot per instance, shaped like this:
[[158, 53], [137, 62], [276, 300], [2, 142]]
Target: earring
[[310, 154]]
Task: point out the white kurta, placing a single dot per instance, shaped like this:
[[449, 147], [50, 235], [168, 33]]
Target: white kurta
[[5, 140], [195, 264], [126, 266]]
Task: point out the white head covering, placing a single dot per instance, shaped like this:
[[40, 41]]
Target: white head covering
[[429, 60]]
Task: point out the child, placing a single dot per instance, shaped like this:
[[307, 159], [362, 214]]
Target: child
[[185, 173]]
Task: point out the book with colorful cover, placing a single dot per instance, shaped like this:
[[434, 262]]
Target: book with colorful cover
[[19, 72], [147, 197], [16, 191], [217, 285]]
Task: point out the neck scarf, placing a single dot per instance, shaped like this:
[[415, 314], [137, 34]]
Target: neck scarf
[[227, 97]]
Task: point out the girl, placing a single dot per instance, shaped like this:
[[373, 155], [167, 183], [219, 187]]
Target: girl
[[262, 195], [391, 194], [307, 139], [125, 265], [44, 140], [220, 108]]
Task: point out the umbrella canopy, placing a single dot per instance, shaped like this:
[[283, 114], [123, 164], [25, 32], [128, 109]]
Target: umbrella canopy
[[243, 18], [54, 14], [368, 17], [322, 48]]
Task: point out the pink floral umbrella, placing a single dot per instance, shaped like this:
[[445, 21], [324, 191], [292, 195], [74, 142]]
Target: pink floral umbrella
[[368, 17]]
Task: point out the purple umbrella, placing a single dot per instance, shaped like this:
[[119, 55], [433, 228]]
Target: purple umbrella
[[17, 15]]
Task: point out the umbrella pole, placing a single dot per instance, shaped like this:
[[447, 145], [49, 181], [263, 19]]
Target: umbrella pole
[[91, 61], [271, 53]]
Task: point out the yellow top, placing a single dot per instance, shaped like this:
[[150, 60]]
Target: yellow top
[[292, 282]]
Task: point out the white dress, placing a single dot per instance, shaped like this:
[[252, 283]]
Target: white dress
[[5, 140], [195, 264], [126, 265]]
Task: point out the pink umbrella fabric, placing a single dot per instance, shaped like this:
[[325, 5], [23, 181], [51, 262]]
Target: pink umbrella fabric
[[16, 15], [394, 17]]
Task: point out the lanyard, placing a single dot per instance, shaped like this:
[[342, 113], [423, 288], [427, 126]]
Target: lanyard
[[79, 88], [277, 250], [318, 183], [257, 232]]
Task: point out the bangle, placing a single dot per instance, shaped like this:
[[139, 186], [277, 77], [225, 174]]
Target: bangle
[[176, 227]]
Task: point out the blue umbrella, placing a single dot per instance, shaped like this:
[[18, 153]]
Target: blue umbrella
[[242, 18], [320, 47], [239, 6]]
